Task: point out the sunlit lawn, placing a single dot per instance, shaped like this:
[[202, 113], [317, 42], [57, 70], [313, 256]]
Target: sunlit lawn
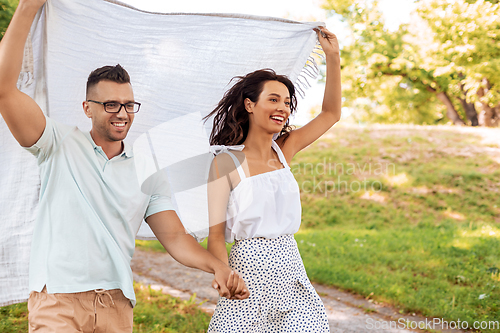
[[425, 237]]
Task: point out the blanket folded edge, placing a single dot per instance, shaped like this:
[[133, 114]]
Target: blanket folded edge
[[228, 15]]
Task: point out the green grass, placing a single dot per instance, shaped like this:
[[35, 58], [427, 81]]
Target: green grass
[[423, 236], [154, 313], [155, 246], [14, 318]]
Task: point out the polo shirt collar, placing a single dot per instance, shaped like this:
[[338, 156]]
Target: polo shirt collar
[[127, 149]]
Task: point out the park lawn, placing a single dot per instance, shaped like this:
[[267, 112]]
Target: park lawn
[[14, 318], [409, 216], [154, 313], [423, 236]]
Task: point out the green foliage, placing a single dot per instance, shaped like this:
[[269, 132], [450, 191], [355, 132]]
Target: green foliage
[[381, 72], [469, 36], [395, 76], [7, 8]]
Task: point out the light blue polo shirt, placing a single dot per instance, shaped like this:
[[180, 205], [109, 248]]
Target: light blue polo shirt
[[89, 212]]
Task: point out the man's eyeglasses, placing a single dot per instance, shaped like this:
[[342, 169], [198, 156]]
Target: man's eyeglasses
[[115, 107]]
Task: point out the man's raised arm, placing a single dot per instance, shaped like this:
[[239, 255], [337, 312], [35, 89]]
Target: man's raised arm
[[23, 116]]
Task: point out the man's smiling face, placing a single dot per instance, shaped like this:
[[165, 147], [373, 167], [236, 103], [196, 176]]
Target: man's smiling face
[[106, 126]]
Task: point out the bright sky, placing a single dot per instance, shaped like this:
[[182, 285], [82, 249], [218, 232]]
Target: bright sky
[[395, 11]]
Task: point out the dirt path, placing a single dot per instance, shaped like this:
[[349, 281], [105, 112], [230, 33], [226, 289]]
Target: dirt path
[[347, 313]]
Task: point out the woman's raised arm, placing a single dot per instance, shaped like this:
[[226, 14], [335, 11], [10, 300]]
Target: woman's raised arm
[[332, 102]]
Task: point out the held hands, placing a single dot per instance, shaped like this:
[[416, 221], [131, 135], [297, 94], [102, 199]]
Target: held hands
[[233, 288], [329, 43]]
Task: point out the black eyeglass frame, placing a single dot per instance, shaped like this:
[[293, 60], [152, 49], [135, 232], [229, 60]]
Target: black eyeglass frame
[[121, 105]]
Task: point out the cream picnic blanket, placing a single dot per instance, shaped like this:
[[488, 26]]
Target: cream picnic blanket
[[180, 66]]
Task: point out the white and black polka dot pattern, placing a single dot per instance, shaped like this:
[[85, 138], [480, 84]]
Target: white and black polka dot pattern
[[282, 298]]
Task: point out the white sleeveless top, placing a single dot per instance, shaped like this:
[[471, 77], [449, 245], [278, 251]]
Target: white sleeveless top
[[265, 205]]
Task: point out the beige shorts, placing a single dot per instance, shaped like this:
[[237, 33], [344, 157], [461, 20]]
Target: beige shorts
[[91, 311]]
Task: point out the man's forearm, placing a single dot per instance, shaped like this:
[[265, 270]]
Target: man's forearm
[[186, 250], [182, 247]]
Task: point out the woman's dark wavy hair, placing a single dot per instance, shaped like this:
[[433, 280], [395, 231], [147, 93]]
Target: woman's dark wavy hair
[[231, 121]]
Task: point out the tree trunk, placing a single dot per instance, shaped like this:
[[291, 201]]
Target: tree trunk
[[451, 113], [470, 112], [491, 115], [469, 108], [495, 116]]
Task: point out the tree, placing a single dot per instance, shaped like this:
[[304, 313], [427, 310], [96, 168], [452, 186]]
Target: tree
[[469, 36], [411, 75]]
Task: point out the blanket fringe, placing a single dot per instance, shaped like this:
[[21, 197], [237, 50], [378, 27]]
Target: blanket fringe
[[27, 76], [310, 71], [15, 301]]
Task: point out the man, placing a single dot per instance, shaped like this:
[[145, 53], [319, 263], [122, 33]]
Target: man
[[91, 205]]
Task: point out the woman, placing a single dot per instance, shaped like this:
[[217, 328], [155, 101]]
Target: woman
[[254, 199]]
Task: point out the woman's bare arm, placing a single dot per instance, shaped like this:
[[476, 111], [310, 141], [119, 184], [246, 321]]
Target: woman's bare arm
[[332, 102]]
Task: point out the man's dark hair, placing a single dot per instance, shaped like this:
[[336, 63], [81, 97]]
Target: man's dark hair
[[111, 73]]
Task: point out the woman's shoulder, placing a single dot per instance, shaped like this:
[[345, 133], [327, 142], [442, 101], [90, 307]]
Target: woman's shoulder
[[286, 149], [224, 164]]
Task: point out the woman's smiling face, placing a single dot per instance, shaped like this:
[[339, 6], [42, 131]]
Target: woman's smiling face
[[272, 109]]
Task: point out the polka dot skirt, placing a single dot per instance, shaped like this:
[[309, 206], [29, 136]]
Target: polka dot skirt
[[282, 298]]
